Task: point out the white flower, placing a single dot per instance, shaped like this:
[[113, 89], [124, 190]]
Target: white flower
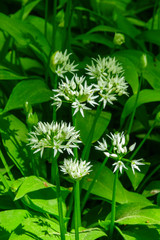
[[57, 136], [102, 145], [119, 165], [76, 169], [135, 163], [75, 91], [110, 80], [61, 64]]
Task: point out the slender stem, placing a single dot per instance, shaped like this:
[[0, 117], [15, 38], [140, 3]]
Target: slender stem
[[143, 141], [6, 166], [147, 178], [54, 24], [67, 26], [92, 183], [59, 200], [86, 150], [53, 167], [113, 210], [135, 106], [77, 210], [55, 87], [75, 150], [46, 18]]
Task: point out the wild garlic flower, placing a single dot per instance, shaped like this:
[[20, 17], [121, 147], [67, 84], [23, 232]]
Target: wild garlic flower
[[74, 91], [110, 81], [76, 168], [56, 136], [61, 64], [135, 163], [118, 151]]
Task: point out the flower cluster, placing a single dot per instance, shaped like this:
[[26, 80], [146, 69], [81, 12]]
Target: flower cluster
[[110, 81], [60, 63], [75, 91], [57, 136], [76, 169], [118, 152]]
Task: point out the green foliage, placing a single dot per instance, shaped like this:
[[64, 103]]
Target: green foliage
[[32, 206]]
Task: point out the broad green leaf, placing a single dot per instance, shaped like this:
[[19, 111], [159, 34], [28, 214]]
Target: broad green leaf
[[138, 176], [151, 73], [85, 123], [14, 137], [45, 200], [139, 232], [25, 11], [152, 189], [35, 227], [130, 72], [145, 96], [97, 38], [137, 213], [9, 220], [32, 91], [87, 234], [103, 28], [31, 184], [152, 36], [7, 74], [25, 35], [103, 187]]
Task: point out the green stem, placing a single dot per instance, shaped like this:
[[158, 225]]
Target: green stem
[[77, 210], [75, 150], [113, 210], [67, 26], [148, 178], [46, 18], [6, 166], [59, 200], [135, 106], [55, 87], [54, 24], [143, 141], [92, 183], [53, 167], [86, 150]]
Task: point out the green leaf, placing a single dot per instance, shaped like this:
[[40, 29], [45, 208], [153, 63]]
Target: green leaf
[[14, 137], [25, 11], [8, 74], [137, 213], [32, 91], [25, 35], [152, 189], [138, 176], [103, 187], [31, 184], [139, 232], [35, 227], [45, 200], [9, 220], [130, 72], [152, 36], [151, 73], [145, 96], [97, 38], [103, 28], [87, 234], [85, 123]]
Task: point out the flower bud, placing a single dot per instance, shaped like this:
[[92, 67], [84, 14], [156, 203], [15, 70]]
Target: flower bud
[[27, 108], [54, 61], [32, 119], [143, 61], [118, 39]]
